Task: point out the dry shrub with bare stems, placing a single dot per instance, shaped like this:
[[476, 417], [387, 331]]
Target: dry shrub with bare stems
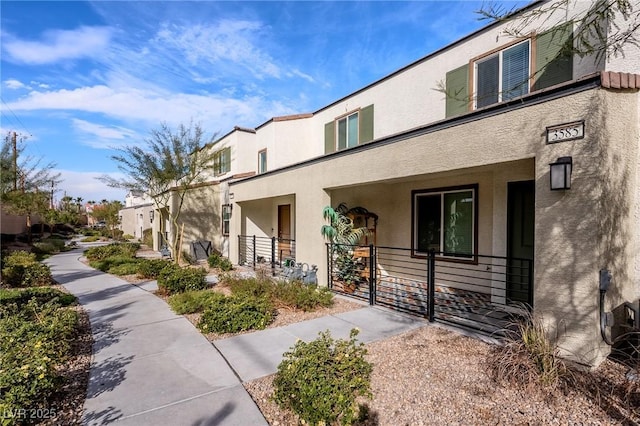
[[528, 356]]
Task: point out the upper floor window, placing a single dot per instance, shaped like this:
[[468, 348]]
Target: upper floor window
[[542, 61], [262, 161], [503, 75], [347, 135], [349, 130], [222, 161]]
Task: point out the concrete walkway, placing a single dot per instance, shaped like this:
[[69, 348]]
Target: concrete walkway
[[152, 367]]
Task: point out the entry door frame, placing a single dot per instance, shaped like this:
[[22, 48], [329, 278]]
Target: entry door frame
[[520, 238], [284, 231]]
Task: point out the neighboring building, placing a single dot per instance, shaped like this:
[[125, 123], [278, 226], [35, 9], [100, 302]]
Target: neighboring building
[[135, 217], [466, 174]]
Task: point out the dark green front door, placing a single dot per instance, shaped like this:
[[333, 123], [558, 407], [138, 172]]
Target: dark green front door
[[520, 241]]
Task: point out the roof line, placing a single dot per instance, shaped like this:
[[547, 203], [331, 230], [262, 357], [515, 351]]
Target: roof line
[[575, 86]]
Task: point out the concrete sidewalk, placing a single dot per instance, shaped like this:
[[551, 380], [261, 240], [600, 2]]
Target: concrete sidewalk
[[153, 367], [149, 366]]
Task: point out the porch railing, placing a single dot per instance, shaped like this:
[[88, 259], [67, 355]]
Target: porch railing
[[480, 292], [267, 253]]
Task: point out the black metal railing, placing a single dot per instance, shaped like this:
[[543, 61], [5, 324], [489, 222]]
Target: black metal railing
[[266, 253], [479, 292]]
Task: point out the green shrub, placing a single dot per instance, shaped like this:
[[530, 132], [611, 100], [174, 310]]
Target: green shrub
[[110, 250], [177, 280], [58, 243], [297, 295], [35, 341], [190, 302], [150, 268], [128, 237], [21, 269], [44, 248], [321, 380], [217, 261], [49, 246], [42, 295], [257, 287], [90, 239], [130, 268], [105, 265], [236, 313]]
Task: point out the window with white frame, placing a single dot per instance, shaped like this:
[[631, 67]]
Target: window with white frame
[[262, 161], [347, 131], [444, 220], [226, 219], [222, 161], [502, 75]]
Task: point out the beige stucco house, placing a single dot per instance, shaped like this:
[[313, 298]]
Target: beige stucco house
[[135, 217], [453, 153]]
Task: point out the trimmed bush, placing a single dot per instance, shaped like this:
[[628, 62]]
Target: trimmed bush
[[90, 239], [256, 287], [35, 340], [178, 280], [236, 313], [42, 295], [21, 269], [130, 268], [190, 302], [110, 250], [215, 260], [321, 380], [151, 268], [105, 265], [297, 295]]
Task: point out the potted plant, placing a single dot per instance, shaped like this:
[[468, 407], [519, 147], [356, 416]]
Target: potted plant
[[344, 238]]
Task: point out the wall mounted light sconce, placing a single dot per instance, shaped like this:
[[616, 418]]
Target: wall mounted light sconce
[[560, 173], [151, 213]]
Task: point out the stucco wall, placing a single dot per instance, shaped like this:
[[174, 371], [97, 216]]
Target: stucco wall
[[577, 231], [201, 216]]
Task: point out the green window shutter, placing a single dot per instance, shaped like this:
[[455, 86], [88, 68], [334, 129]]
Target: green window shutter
[[457, 87], [330, 137], [554, 57], [366, 124]]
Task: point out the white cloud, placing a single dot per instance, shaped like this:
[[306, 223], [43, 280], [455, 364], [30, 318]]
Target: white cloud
[[107, 136], [226, 42], [87, 186], [155, 107], [14, 84], [58, 45]]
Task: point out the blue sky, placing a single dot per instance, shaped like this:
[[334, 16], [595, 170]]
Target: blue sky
[[80, 78]]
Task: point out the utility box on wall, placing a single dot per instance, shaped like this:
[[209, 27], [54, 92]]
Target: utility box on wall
[[201, 249]]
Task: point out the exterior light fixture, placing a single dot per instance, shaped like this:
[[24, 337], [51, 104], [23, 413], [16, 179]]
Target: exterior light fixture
[[151, 216], [560, 173]]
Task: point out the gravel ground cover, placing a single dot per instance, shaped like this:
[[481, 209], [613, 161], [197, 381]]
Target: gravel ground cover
[[435, 376]]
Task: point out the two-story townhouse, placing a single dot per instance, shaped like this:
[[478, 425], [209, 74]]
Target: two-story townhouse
[[468, 174], [135, 217]]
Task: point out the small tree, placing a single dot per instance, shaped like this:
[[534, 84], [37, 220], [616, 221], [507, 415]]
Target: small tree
[[109, 212], [598, 31], [166, 167], [21, 178]]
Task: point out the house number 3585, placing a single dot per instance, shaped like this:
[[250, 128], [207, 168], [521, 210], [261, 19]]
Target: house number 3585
[[565, 132]]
